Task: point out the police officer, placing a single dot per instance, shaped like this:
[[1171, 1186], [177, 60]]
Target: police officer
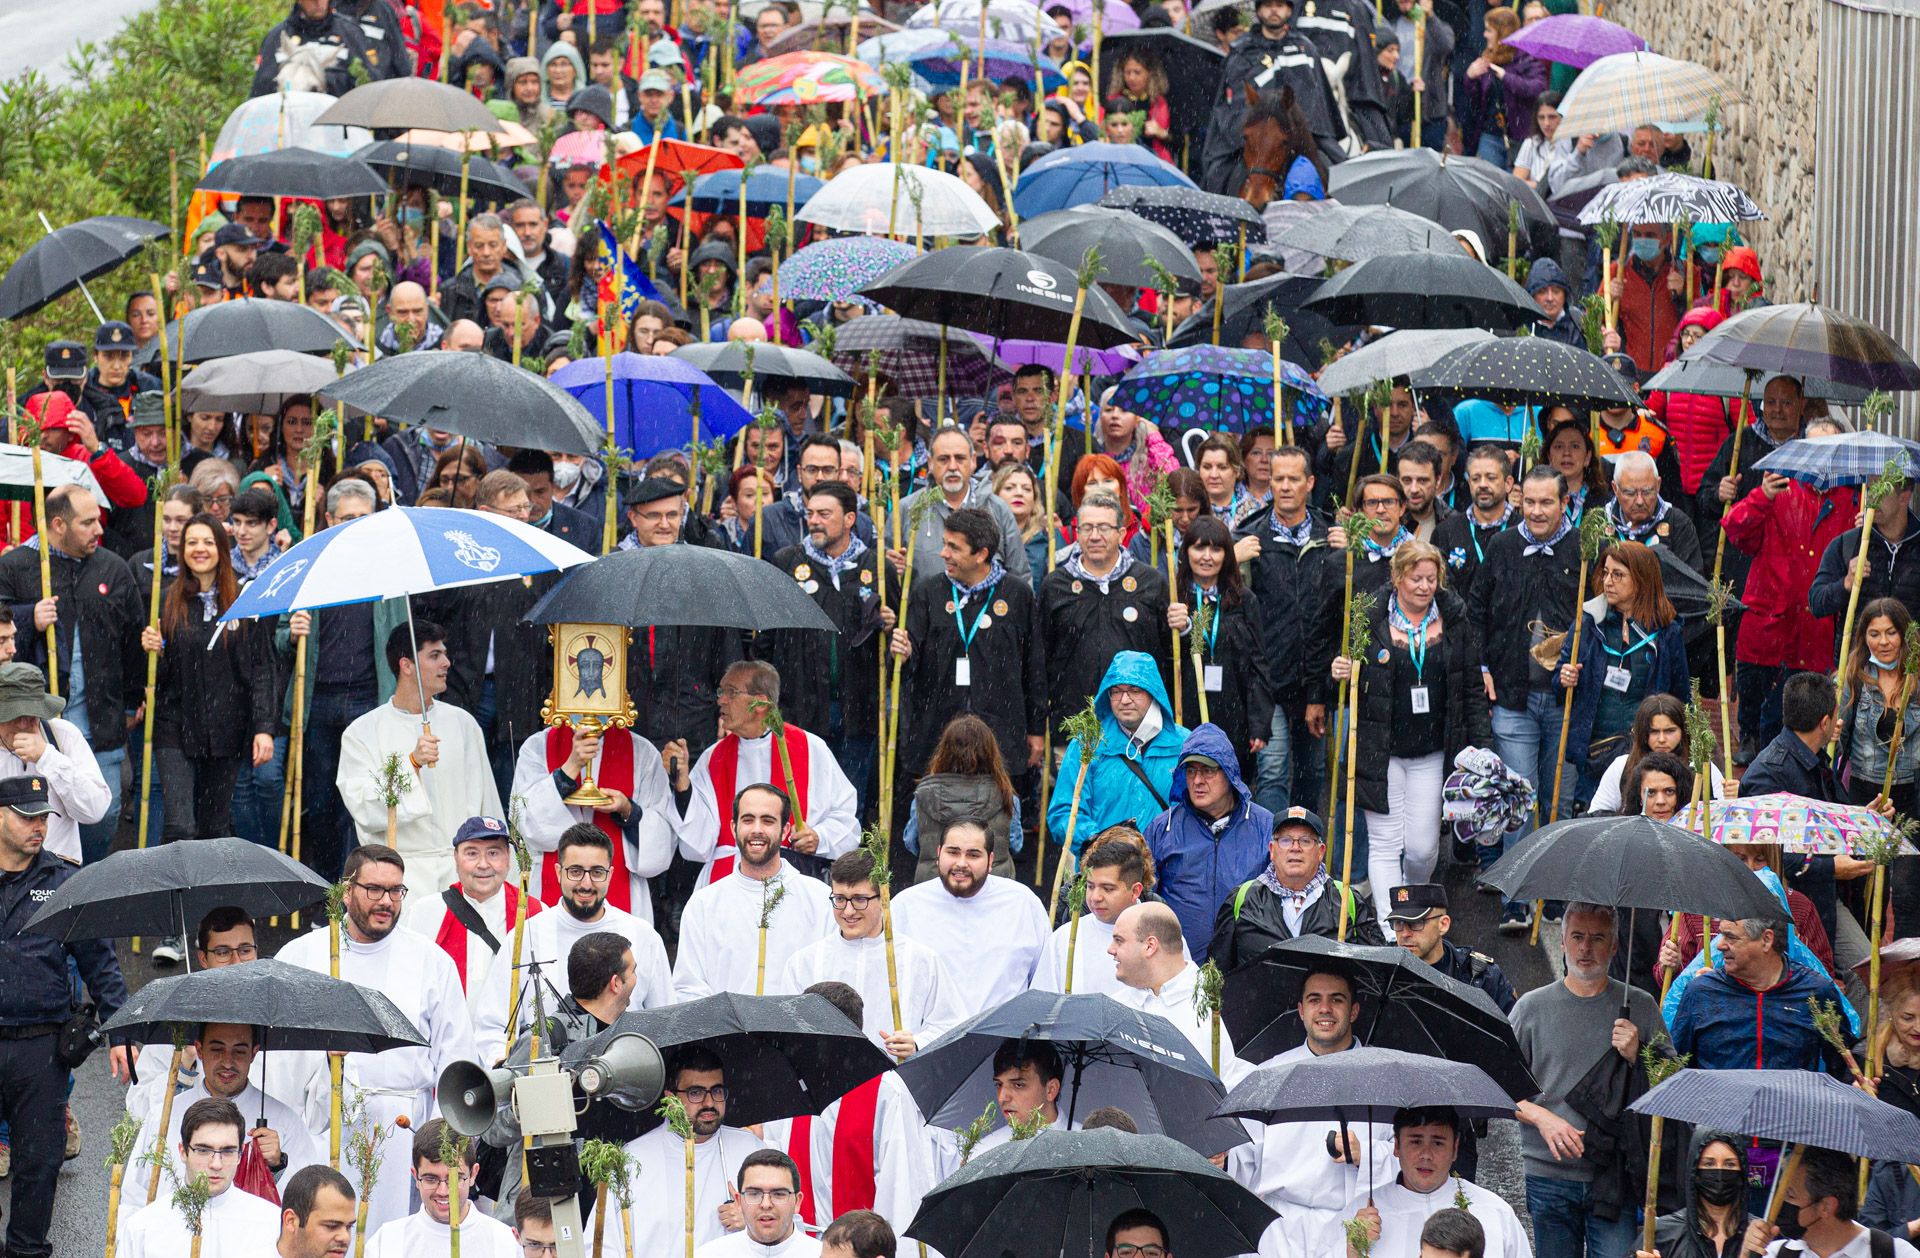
[[112, 384], [36, 998], [1420, 925], [65, 372]]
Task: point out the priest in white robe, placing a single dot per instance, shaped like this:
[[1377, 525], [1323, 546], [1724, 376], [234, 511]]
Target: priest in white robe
[[1426, 1142], [991, 929], [829, 820], [224, 937], [233, 1223], [473, 920], [720, 947], [418, 978], [585, 864], [660, 1166], [1116, 870], [769, 1184], [856, 954], [1027, 1079], [625, 766], [428, 1231], [1156, 976]]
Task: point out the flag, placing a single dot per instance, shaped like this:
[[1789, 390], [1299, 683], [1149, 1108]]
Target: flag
[[637, 287]]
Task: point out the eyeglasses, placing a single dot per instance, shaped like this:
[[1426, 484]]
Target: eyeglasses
[[859, 902], [224, 1153], [1139, 1251], [246, 952], [1378, 504], [538, 1249], [717, 1092], [432, 1183], [377, 894], [1099, 530], [734, 692], [592, 873], [1652, 491], [1294, 840], [762, 1196]]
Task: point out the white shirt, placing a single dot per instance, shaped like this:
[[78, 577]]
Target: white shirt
[[740, 1245], [75, 786], [720, 932], [418, 1236], [1174, 1002], [549, 940], [902, 1169], [832, 807], [544, 818], [928, 1003], [231, 1227], [1858, 1247], [296, 1141], [1092, 967], [660, 1187], [438, 798], [992, 939], [1403, 1212]]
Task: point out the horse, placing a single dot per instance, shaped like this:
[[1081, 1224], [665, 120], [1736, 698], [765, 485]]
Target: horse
[[1276, 131], [303, 67]]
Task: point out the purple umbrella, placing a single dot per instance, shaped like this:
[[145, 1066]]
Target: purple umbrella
[[1114, 16], [1051, 354], [1574, 39]]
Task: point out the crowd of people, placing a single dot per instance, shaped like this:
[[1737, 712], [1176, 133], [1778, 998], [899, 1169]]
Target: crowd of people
[[1118, 658]]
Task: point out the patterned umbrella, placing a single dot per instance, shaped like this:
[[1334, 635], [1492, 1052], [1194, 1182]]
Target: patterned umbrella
[[1011, 20], [1202, 386], [1848, 458], [1075, 176], [1668, 197], [1796, 823], [833, 270], [910, 355], [1804, 339], [1527, 371], [1574, 39], [806, 78], [936, 54], [1621, 92], [1794, 1106], [1201, 219]]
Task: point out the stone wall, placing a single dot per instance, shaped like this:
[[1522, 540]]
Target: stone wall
[[1768, 53]]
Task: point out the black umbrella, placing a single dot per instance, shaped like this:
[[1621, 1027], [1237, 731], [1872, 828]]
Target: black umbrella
[[1459, 193], [784, 1056], [1246, 312], [1808, 339], [1001, 293], [728, 361], [1528, 371], [1404, 1003], [296, 1007], [1201, 219], [1689, 374], [1056, 1193], [1112, 1055], [63, 260], [429, 165], [248, 325], [1125, 242], [1356, 1084], [1193, 75], [476, 395], [680, 585], [1793, 1106], [1687, 589], [293, 172], [1354, 233], [406, 103], [1425, 290], [166, 890]]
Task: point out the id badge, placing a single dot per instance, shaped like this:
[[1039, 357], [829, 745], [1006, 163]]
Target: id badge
[[1214, 677], [1419, 701], [1618, 678], [963, 671]]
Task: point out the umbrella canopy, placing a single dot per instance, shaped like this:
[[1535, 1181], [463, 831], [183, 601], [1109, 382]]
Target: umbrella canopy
[[1126, 243], [256, 383], [1201, 219], [68, 257], [477, 396], [1455, 192], [806, 78], [1012, 20], [1395, 355], [1247, 306], [1627, 89], [1354, 233], [1055, 1194], [1668, 198], [403, 551], [166, 890], [650, 586], [578, 148], [1794, 822], [16, 474], [910, 356], [294, 172], [1085, 173], [1852, 458], [1425, 290], [1355, 1085], [437, 167], [784, 1055], [1574, 39], [266, 123], [1631, 862], [935, 56], [1806, 339], [810, 34], [1201, 386], [1108, 17], [728, 363], [653, 401], [720, 192], [1528, 371], [1112, 1055], [1687, 589], [1192, 67], [1001, 293], [404, 103], [1404, 1003], [678, 158], [510, 136], [295, 1008], [249, 325], [1690, 373], [1053, 356], [861, 200], [1794, 1106], [836, 269]]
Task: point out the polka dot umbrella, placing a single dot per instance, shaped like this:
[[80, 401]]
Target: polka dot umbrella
[[1222, 390], [1528, 371]]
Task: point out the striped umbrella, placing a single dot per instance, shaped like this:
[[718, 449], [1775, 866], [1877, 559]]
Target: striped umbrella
[[1842, 458], [1621, 92], [935, 56], [806, 78], [1793, 1106], [1794, 822], [1669, 197], [1806, 339]]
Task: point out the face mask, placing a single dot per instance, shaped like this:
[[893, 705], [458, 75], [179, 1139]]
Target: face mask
[[1645, 249], [565, 475], [1792, 1227], [1719, 1187], [1709, 256], [810, 164]]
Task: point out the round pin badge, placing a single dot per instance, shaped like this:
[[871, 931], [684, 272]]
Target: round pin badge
[[949, 607], [802, 571], [999, 606], [1130, 615], [985, 622], [1129, 584], [811, 587], [1077, 587]]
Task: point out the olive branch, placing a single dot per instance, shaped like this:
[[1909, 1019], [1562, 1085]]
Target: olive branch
[[873, 840], [1083, 727], [674, 1112], [391, 780], [771, 893], [969, 1137]]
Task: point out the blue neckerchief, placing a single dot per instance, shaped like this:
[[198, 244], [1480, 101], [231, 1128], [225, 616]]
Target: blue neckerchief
[[995, 575], [1377, 551], [1634, 532], [1076, 567], [1295, 534]]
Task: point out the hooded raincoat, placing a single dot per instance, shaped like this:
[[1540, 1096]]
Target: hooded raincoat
[[1199, 861], [1131, 776]]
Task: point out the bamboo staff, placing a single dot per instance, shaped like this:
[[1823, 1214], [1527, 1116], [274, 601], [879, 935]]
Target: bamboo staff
[[771, 893], [157, 1157], [917, 513], [14, 436], [31, 430], [123, 1137], [1607, 233], [433, 245], [1276, 330], [605, 1164], [1909, 672], [1700, 751], [161, 484], [391, 780], [1359, 530], [1359, 632], [1076, 905], [453, 1155], [880, 851], [1172, 589], [1719, 596], [675, 1113], [1593, 539], [776, 725], [1881, 850], [766, 421], [1225, 261], [1660, 1065], [1082, 730], [1090, 270], [1419, 15], [336, 910], [1199, 625], [523, 862], [191, 1199], [365, 1152], [1207, 994], [310, 454]]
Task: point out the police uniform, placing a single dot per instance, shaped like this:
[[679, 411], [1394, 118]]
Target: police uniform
[[112, 408], [36, 997], [1415, 903], [66, 371]]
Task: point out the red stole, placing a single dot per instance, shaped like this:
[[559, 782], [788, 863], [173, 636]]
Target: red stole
[[853, 1160], [724, 768], [452, 936], [616, 772]]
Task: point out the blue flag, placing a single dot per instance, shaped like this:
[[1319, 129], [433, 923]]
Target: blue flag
[[637, 287]]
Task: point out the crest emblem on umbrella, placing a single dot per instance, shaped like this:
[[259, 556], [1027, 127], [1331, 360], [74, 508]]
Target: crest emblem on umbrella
[[471, 553], [284, 575], [589, 667]]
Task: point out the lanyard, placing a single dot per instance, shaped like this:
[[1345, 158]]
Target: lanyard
[[1646, 639], [1201, 598], [1416, 640], [1473, 532], [959, 620]]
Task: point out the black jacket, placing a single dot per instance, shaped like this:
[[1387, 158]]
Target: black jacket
[[1254, 919], [35, 988], [1674, 531], [380, 30], [574, 525], [1085, 628], [1478, 970], [100, 597], [336, 29], [1292, 583], [476, 615], [1510, 585], [1465, 710], [1893, 571], [1007, 670], [211, 702], [1270, 65], [1616, 1138], [818, 667], [1243, 706], [1463, 544]]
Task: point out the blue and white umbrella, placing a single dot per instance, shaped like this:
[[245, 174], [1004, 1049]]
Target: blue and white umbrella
[[1845, 458]]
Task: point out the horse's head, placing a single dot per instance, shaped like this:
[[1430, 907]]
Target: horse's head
[[303, 67], [1276, 131]]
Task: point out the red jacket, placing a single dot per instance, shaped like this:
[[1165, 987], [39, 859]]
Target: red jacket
[[1786, 537], [1649, 314], [1698, 424]]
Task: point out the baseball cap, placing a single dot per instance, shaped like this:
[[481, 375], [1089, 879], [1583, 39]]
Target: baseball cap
[[665, 53], [113, 334], [148, 409], [26, 795], [1416, 901], [1297, 815], [1200, 758], [498, 282], [655, 81], [67, 360], [480, 828], [236, 234]]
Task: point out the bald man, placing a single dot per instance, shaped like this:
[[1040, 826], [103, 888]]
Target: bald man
[[407, 305], [747, 329], [1156, 976], [463, 335]]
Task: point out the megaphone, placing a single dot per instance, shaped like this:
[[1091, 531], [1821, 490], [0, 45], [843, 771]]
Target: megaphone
[[471, 1096], [629, 1072]]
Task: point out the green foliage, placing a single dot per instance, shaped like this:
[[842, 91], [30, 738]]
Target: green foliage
[[1702, 745], [1358, 630], [1077, 894], [361, 1142], [1083, 727], [675, 1113], [1165, 282], [190, 1199], [605, 1162], [1160, 503], [771, 893], [1719, 597], [337, 902], [1593, 326], [1890, 479], [1828, 1021], [1030, 1126], [874, 840], [777, 232], [1595, 535], [120, 1141], [1660, 1062], [1530, 442], [1357, 1238], [1199, 625], [1360, 529], [516, 838], [1208, 990], [969, 1137]]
